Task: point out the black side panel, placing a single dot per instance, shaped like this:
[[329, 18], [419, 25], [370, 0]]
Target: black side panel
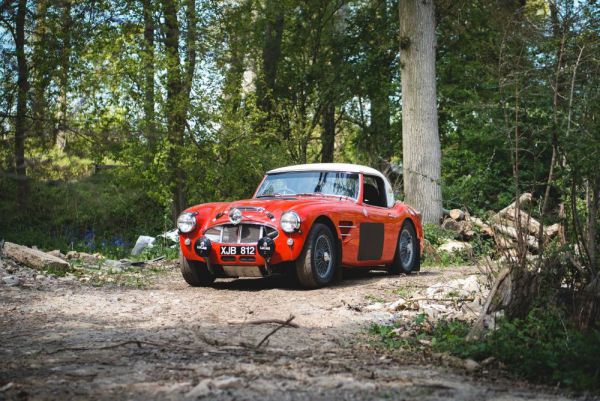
[[370, 246]]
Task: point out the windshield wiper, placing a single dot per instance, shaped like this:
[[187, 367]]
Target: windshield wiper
[[310, 194]]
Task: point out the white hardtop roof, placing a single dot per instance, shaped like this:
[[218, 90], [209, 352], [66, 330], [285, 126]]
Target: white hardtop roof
[[340, 167]]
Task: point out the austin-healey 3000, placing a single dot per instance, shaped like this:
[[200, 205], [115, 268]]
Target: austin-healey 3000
[[308, 220]]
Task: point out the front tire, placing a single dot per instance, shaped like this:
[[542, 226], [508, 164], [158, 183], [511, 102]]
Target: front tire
[[317, 264], [408, 251], [195, 273]]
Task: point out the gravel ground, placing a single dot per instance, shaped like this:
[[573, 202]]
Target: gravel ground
[[63, 339]]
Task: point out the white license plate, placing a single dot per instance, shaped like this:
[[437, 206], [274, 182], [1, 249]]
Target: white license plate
[[238, 250]]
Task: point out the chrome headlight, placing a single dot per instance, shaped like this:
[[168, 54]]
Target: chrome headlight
[[290, 221], [186, 222]]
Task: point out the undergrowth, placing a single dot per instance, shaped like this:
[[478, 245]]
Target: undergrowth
[[541, 348], [437, 236]]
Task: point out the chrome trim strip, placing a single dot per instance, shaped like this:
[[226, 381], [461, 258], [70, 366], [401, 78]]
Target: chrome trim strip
[[347, 226], [238, 227]]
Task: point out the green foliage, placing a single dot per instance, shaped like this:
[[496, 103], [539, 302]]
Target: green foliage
[[103, 213], [542, 348], [387, 337], [436, 235], [446, 259], [163, 248]]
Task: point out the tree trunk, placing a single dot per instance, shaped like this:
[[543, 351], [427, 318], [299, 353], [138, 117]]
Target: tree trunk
[[40, 78], [265, 88], [176, 107], [190, 44], [378, 144], [592, 200], [65, 53], [420, 139], [149, 114], [328, 133], [22, 89]]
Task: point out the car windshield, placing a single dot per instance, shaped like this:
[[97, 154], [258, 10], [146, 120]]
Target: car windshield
[[310, 183]]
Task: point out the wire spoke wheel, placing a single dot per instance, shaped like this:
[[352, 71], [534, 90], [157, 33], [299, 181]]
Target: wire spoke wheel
[[406, 248], [318, 262], [408, 251], [323, 260]]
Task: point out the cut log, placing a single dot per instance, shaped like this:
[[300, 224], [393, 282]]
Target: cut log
[[485, 228], [34, 258], [511, 216], [452, 225], [530, 240], [503, 242], [457, 214], [463, 229], [524, 199], [552, 231]]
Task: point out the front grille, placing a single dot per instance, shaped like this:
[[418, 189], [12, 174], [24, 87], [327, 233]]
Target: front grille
[[239, 234]]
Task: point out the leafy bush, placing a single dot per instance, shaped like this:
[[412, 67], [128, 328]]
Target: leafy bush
[[436, 235], [540, 348]]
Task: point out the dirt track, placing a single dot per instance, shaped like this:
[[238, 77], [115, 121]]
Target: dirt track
[[70, 341]]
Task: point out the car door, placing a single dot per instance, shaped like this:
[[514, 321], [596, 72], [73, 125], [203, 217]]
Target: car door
[[377, 228]]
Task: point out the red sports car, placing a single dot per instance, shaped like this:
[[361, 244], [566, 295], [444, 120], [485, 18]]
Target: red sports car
[[310, 220]]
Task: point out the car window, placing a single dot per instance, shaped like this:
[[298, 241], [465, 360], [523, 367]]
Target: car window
[[310, 182], [374, 191]]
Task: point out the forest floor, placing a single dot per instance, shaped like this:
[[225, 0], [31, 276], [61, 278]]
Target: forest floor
[[63, 339]]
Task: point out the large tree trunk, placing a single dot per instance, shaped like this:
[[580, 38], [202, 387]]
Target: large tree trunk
[[420, 139], [65, 54], [22, 89], [176, 107], [149, 114]]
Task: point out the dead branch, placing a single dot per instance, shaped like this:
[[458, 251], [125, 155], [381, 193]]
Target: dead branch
[[139, 344], [275, 330], [267, 321], [477, 331]]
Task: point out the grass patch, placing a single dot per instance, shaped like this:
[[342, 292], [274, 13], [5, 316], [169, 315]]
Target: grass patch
[[373, 298], [405, 292], [57, 272]]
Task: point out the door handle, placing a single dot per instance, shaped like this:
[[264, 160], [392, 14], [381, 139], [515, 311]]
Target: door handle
[[392, 215]]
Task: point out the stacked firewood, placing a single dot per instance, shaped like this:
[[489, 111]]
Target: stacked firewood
[[508, 227]]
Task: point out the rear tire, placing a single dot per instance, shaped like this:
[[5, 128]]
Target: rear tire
[[195, 273], [317, 264], [408, 251]]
